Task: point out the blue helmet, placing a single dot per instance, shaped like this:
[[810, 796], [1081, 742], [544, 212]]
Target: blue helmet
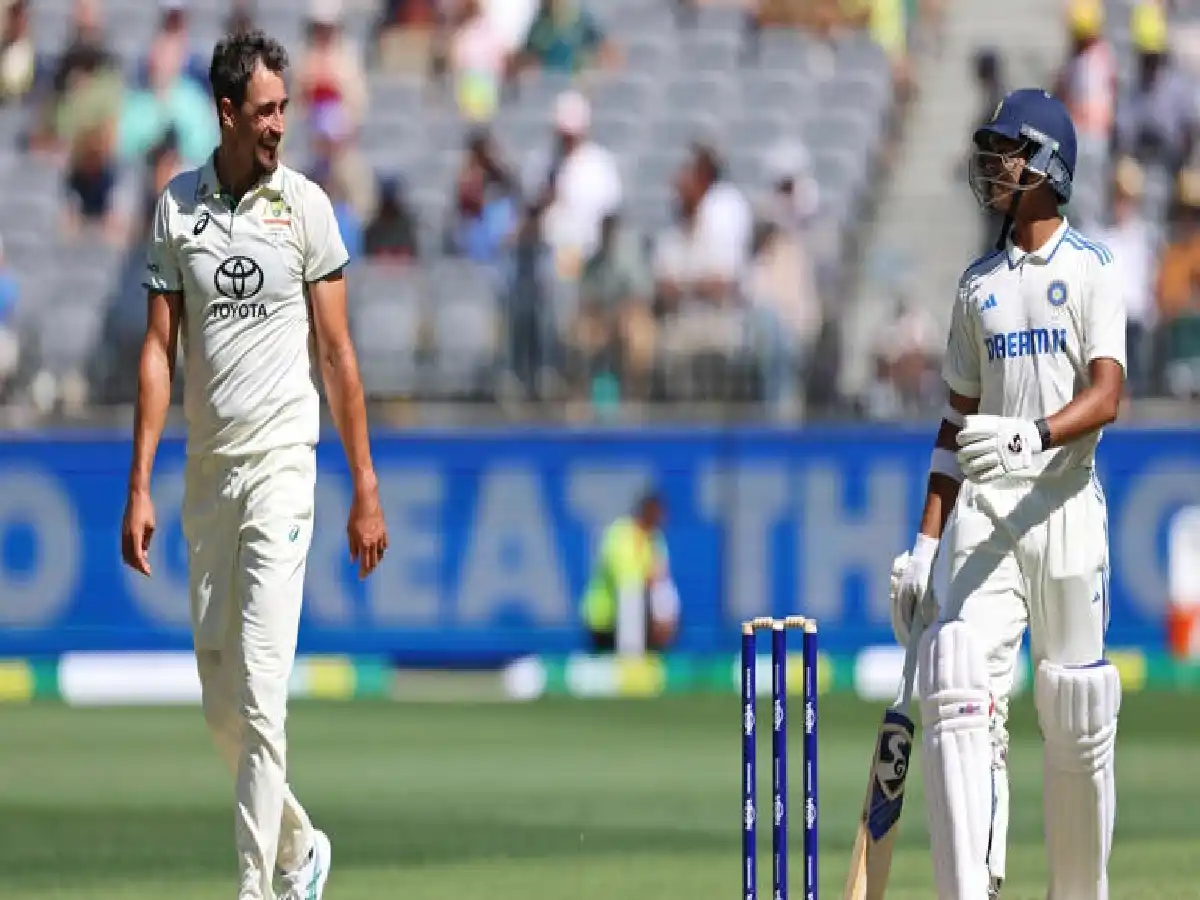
[[1043, 127]]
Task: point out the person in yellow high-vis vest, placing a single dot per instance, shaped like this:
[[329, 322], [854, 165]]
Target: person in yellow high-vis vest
[[631, 605]]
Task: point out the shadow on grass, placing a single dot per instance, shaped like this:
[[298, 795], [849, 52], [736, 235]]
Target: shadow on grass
[[54, 848]]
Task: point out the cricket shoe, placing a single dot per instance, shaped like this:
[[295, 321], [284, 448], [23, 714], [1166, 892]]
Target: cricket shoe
[[307, 882]]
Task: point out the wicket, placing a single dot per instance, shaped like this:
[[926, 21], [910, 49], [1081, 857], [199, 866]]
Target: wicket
[[779, 755]]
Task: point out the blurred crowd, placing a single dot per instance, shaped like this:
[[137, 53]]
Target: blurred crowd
[[731, 294], [1131, 80]]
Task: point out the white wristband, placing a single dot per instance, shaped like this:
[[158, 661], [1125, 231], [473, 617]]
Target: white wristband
[[925, 547], [944, 462]]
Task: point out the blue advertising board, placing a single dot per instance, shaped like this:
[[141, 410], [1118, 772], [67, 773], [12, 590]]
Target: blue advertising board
[[491, 536]]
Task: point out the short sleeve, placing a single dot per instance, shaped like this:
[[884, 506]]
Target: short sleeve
[[1104, 316], [162, 260], [960, 366], [324, 250]]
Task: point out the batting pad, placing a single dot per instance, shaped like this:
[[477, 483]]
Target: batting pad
[[1077, 709], [952, 683]]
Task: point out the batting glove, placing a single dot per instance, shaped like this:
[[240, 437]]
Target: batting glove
[[910, 587], [992, 446]]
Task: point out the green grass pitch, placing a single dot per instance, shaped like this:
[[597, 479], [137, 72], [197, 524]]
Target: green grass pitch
[[557, 799]]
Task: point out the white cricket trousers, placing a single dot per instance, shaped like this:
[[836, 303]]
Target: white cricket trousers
[[248, 524], [1026, 554]]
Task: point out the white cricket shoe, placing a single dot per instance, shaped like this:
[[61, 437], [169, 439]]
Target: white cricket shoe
[[308, 881]]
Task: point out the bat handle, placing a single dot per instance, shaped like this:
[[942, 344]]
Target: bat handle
[[908, 679]]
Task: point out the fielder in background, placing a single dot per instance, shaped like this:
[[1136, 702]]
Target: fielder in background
[[631, 604], [246, 265], [1035, 366]]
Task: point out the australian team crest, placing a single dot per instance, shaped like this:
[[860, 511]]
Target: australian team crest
[[278, 212], [1056, 293]]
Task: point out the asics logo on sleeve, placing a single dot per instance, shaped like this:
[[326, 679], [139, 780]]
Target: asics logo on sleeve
[[1027, 342]]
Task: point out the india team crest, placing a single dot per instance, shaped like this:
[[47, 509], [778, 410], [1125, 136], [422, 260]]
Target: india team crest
[[1056, 293]]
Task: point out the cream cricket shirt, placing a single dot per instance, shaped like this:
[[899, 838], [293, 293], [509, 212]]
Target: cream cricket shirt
[[250, 362], [1025, 326]]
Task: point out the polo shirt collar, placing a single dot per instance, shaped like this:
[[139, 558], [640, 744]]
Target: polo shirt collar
[[1042, 254], [209, 185]]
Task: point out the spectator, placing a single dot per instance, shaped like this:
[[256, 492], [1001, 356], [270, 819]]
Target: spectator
[[579, 187], [478, 61], [85, 60], [614, 331], [907, 379], [699, 267], [784, 312], [18, 57], [1156, 123], [86, 37], [1179, 291], [171, 49], [796, 196], [1134, 249], [10, 348], [1087, 85], [705, 256], [170, 102], [1087, 82], [330, 75], [565, 38], [392, 233], [85, 124], [92, 181], [482, 225]]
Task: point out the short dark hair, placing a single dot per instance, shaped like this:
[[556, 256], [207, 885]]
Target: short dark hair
[[234, 59]]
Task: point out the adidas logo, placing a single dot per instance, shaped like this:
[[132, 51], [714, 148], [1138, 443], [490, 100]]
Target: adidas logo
[[989, 303]]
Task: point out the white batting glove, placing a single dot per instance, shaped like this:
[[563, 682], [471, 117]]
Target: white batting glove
[[910, 586], [992, 446]]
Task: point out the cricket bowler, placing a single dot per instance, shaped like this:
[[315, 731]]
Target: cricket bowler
[[1035, 366], [246, 267]]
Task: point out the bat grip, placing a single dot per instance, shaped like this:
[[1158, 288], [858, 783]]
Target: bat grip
[[908, 678]]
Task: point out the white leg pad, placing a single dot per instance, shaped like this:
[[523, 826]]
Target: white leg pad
[[953, 687], [1077, 709]]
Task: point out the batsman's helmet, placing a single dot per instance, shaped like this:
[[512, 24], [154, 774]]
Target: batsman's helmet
[[1041, 125]]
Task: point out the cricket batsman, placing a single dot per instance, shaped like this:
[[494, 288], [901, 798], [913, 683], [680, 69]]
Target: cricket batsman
[[246, 266], [1035, 366]]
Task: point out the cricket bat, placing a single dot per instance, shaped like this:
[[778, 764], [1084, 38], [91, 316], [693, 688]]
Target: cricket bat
[[871, 859]]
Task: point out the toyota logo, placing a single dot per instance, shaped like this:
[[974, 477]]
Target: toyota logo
[[238, 278]]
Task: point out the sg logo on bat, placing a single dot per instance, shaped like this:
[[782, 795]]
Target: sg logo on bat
[[895, 746]]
